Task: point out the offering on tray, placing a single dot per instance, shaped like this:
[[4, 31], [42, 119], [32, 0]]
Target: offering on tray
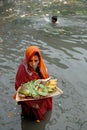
[[38, 88]]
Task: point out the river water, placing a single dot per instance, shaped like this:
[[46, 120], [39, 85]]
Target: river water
[[64, 49]]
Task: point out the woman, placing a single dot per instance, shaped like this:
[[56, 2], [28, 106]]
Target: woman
[[33, 67]]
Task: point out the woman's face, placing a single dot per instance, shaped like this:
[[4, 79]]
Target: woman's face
[[33, 62]]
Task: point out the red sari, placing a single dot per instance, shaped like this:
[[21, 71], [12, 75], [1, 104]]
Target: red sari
[[26, 74]]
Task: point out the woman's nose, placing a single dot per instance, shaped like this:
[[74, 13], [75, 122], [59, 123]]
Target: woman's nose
[[33, 62]]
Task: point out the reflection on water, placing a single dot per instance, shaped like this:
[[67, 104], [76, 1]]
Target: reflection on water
[[64, 48]]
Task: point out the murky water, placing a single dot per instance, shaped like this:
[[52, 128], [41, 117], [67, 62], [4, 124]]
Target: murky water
[[64, 49]]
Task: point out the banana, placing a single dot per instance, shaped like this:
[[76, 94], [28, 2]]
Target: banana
[[51, 83], [53, 80], [52, 86]]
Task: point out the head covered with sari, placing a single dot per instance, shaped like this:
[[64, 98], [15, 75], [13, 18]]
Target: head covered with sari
[[29, 53]]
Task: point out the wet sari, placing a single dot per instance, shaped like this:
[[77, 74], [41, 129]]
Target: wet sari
[[26, 74]]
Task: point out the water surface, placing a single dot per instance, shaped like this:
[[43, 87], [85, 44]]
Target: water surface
[[64, 49]]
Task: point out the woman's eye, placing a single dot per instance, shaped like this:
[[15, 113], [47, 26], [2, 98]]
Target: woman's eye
[[33, 61], [30, 60], [36, 60]]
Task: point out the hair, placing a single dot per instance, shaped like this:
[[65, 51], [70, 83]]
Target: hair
[[37, 54], [54, 18]]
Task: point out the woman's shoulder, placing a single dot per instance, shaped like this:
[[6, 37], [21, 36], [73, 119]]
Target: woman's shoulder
[[21, 65]]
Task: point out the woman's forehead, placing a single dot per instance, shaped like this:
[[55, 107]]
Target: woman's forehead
[[34, 57]]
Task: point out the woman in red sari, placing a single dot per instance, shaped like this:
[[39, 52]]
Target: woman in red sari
[[33, 67]]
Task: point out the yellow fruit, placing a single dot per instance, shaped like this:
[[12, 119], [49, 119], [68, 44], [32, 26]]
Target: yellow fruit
[[52, 86], [53, 81], [40, 89]]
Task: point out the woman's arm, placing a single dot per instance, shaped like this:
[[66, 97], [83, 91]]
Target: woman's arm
[[20, 76]]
